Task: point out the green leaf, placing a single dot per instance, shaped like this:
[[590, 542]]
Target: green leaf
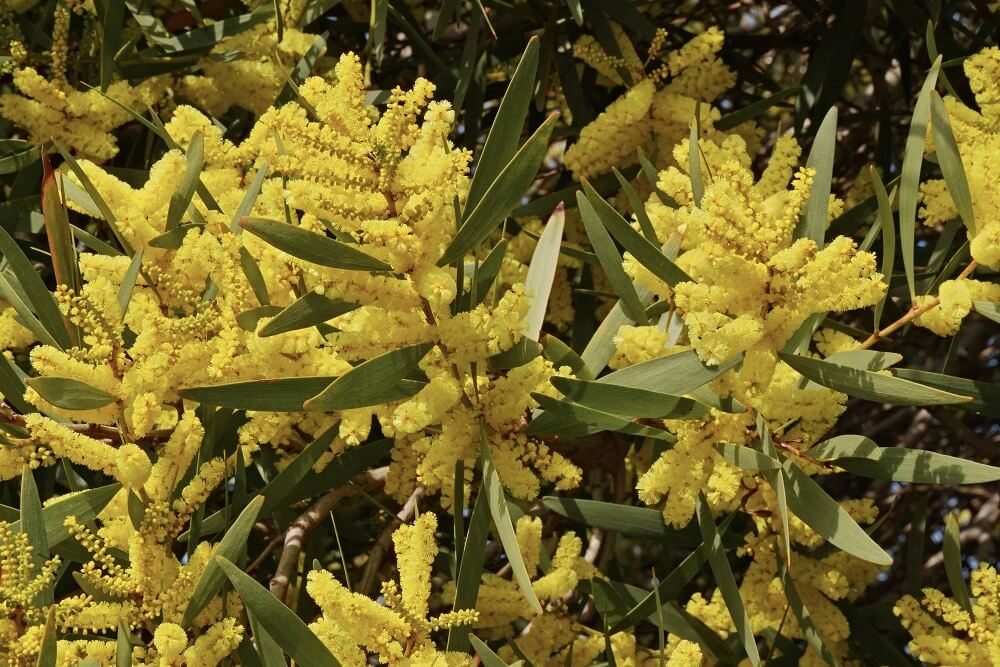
[[866, 360], [287, 629], [96, 200], [33, 525], [746, 458], [694, 158], [17, 154], [776, 478], [249, 198], [486, 273], [676, 374], [276, 491], [808, 627], [861, 456], [952, 547], [256, 279], [123, 647], [611, 261], [639, 522], [725, 580], [470, 569], [652, 176], [493, 488], [43, 308], [561, 354], [568, 419], [70, 394], [644, 252], [181, 199], [127, 287], [909, 180], [268, 395], [985, 395], [523, 351], [231, 547], [542, 271], [486, 655], [502, 140], [669, 587], [629, 401], [502, 195], [950, 161], [988, 310], [303, 68], [48, 651], [205, 38], [174, 238], [601, 346], [308, 310], [312, 247], [812, 222], [868, 385], [378, 380], [754, 109], [636, 204], [810, 502], [85, 506], [888, 238]]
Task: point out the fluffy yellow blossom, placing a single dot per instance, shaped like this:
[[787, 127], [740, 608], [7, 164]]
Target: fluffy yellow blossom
[[133, 465], [943, 633], [80, 120]]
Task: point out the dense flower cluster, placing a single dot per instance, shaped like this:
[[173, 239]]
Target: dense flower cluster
[[287, 287]]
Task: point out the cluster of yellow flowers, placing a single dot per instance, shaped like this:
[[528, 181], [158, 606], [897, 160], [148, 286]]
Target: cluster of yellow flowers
[[977, 134], [310, 252], [946, 633]]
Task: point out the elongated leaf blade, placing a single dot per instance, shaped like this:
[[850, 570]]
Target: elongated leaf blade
[[493, 488], [629, 401], [231, 548], [819, 511], [502, 140], [868, 385], [913, 157], [181, 199], [287, 629], [812, 223], [502, 195], [542, 271], [70, 394], [952, 548], [307, 311], [862, 456], [312, 247], [379, 380], [725, 580], [611, 261]]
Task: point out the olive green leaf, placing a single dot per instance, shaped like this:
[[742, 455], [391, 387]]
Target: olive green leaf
[[378, 380], [312, 247]]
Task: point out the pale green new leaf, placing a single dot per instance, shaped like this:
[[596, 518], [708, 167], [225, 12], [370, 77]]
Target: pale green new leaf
[[542, 271], [493, 488], [952, 548]]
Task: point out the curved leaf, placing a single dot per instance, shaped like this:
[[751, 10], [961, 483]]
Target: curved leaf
[[312, 247], [70, 394], [379, 380]]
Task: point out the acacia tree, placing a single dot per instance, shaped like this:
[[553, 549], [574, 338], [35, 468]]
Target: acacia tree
[[451, 333]]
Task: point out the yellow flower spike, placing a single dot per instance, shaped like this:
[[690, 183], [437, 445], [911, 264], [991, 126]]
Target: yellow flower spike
[[170, 640], [415, 553]]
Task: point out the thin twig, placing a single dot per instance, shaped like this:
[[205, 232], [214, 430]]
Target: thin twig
[[296, 534], [381, 546], [913, 313]]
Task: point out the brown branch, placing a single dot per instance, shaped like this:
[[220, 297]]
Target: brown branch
[[297, 532], [97, 431], [913, 313], [381, 546]]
